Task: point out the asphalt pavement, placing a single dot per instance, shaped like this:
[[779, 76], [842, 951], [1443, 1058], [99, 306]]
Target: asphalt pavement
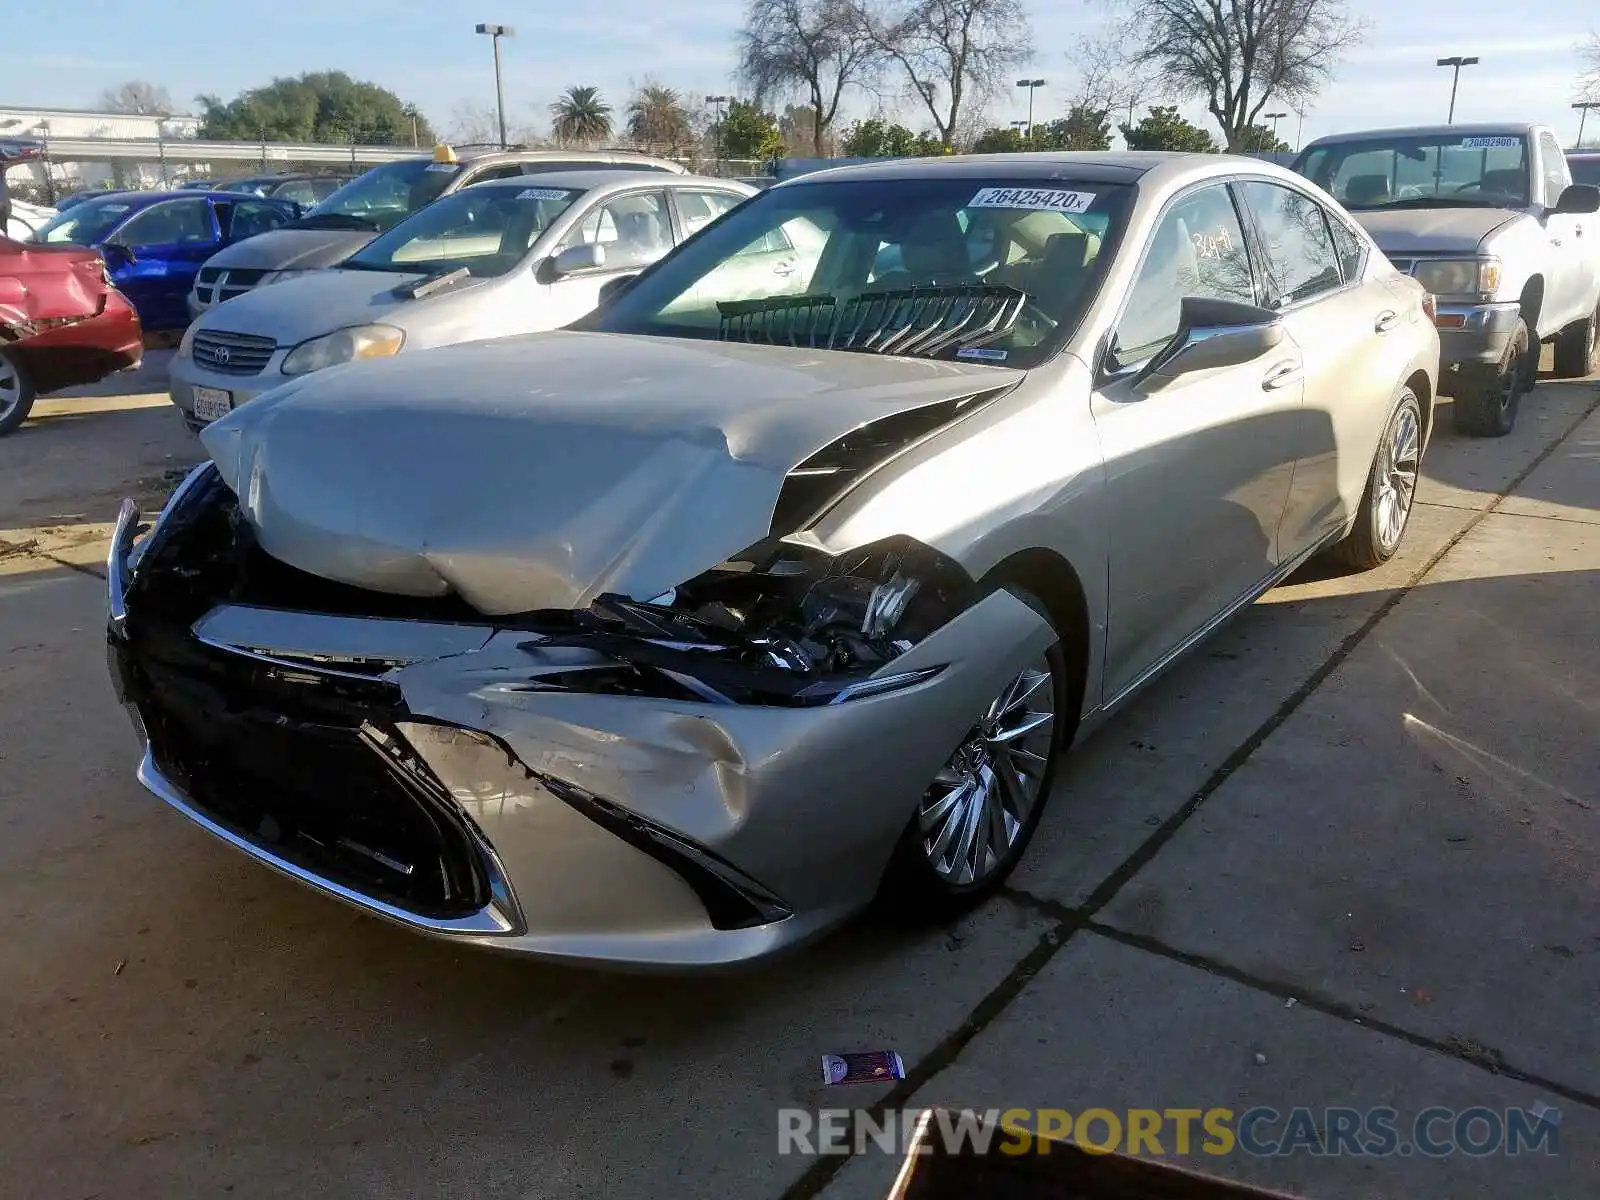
[[1344, 856]]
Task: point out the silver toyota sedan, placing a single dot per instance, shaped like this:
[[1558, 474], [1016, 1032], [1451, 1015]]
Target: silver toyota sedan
[[678, 637], [512, 256]]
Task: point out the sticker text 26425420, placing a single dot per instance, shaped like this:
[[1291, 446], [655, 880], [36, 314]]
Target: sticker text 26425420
[[1043, 199]]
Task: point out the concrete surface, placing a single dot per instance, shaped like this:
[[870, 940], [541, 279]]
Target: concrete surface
[[1373, 794]]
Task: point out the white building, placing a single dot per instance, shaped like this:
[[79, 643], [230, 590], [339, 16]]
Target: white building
[[27, 123]]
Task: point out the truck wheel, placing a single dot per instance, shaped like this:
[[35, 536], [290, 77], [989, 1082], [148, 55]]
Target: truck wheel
[[16, 392], [1574, 357], [1486, 405]]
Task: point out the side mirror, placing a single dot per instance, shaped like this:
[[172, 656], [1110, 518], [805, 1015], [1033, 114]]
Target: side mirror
[[585, 256], [117, 255], [612, 288], [1579, 198], [1211, 334]]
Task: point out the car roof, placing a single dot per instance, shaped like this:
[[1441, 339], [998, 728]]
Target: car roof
[[476, 158], [1470, 129], [1081, 166], [146, 199], [593, 179]]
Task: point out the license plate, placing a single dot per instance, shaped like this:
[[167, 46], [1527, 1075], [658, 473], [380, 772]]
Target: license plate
[[212, 403]]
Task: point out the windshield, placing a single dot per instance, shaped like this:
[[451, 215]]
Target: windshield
[[85, 224], [487, 230], [383, 197], [988, 270], [1417, 172]]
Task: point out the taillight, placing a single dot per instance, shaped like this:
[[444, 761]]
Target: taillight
[[1429, 305]]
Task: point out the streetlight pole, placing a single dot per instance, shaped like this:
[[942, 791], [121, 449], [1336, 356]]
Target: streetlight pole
[[1583, 106], [1275, 118], [497, 32], [1300, 129], [1032, 85], [1455, 62], [717, 106]]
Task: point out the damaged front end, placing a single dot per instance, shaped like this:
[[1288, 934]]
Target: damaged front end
[[623, 782]]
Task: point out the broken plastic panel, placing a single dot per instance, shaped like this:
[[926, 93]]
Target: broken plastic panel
[[909, 321]]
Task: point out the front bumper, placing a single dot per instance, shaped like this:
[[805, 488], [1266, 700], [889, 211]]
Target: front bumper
[[1473, 335], [597, 828], [184, 375]]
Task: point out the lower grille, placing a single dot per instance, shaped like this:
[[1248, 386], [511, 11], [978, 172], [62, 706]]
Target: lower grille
[[308, 767], [231, 353]]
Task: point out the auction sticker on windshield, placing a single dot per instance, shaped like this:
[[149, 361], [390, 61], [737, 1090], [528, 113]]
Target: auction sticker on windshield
[[1490, 143], [542, 194], [1041, 199]]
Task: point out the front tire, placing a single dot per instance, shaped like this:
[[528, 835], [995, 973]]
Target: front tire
[[1575, 348], [1391, 491], [975, 820], [1487, 406], [16, 391]]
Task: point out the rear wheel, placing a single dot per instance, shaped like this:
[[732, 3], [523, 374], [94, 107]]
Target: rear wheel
[[1486, 405], [16, 391], [1391, 488], [1574, 356], [976, 818]]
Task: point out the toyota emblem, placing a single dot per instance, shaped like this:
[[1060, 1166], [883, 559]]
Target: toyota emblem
[[221, 355]]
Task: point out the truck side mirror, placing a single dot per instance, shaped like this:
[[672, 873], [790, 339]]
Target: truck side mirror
[[1579, 198]]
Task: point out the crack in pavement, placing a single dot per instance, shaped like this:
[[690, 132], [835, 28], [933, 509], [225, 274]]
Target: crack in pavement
[[1073, 920]]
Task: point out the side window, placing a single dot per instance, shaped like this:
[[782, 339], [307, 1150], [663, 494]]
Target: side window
[[1554, 164], [1198, 250], [1351, 249], [1301, 261], [633, 230], [503, 171], [251, 217], [175, 223], [298, 192], [699, 209]]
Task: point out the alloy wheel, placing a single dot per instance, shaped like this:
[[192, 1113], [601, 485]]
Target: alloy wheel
[[980, 802], [10, 387], [1397, 476]]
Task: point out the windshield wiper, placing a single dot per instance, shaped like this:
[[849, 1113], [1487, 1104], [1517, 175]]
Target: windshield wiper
[[910, 321], [335, 220]]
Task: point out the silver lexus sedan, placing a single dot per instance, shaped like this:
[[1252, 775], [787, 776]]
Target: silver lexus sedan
[[676, 638]]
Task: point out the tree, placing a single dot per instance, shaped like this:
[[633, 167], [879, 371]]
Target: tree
[[1163, 129], [1083, 128], [479, 125], [952, 52], [797, 127], [320, 106], [749, 133], [999, 141], [1240, 55], [1589, 79], [137, 96], [813, 48], [657, 118], [581, 115], [1256, 138]]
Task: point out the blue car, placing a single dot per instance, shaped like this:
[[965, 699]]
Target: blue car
[[154, 242]]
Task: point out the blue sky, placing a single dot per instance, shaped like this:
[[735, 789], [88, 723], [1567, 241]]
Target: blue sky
[[65, 53]]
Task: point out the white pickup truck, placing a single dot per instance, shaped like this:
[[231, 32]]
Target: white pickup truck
[[1487, 218]]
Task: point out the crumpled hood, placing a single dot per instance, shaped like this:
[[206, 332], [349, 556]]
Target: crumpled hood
[[541, 471], [297, 309], [292, 249], [1433, 230]]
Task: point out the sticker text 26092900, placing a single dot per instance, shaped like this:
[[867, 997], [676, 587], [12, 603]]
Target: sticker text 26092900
[[1043, 199]]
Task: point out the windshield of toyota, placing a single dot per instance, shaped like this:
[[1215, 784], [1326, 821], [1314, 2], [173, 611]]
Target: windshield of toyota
[[486, 229], [383, 197], [1432, 171], [984, 270]]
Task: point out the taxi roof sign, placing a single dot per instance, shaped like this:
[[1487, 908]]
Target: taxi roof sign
[[442, 153]]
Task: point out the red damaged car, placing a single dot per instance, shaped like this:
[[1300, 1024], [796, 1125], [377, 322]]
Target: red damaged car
[[61, 323]]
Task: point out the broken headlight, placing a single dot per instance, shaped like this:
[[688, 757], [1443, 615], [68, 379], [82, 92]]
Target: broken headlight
[[780, 625]]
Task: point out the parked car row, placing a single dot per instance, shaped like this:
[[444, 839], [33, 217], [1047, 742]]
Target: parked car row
[[779, 582]]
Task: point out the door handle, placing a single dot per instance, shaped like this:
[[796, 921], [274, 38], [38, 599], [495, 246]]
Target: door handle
[[1577, 231], [1386, 321], [783, 268], [1282, 375]]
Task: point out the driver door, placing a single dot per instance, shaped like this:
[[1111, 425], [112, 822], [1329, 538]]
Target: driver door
[[169, 241], [633, 230], [1197, 474], [1570, 287]]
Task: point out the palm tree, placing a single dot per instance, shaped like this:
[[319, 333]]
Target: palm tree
[[657, 118], [581, 116]]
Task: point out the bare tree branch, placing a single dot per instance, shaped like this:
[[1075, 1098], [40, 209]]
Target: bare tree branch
[[809, 48]]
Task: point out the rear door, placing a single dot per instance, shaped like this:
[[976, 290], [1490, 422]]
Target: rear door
[[169, 241], [1197, 474]]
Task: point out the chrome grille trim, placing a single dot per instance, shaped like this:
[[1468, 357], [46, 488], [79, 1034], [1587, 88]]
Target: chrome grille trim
[[232, 353]]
